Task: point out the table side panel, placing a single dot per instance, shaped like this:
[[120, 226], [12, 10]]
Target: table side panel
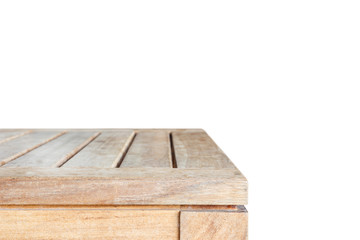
[[214, 225], [89, 224], [117, 186]]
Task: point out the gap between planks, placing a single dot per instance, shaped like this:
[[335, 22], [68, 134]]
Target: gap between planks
[[76, 150], [122, 154], [172, 151], [15, 136], [116, 163], [11, 158]]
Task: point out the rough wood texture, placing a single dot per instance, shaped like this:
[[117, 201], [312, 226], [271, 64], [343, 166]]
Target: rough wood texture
[[76, 150], [116, 167], [105, 151], [6, 136], [89, 224], [149, 149], [124, 222], [214, 225], [117, 186], [20, 146], [133, 184], [51, 153], [198, 150]]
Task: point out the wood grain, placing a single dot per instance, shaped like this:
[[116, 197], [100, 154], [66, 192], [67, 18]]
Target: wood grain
[[89, 224], [104, 152], [149, 149], [20, 146], [213, 225], [6, 136], [157, 167], [52, 152], [198, 150], [127, 184], [117, 186], [77, 149]]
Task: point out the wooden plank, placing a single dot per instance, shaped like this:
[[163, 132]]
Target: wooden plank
[[121, 186], [198, 150], [20, 146], [58, 150], [105, 151], [213, 225], [98, 207], [209, 207], [6, 136], [149, 149], [112, 129], [127, 207], [89, 224], [76, 150]]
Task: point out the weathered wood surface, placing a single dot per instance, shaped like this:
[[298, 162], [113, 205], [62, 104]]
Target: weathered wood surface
[[116, 166], [117, 186], [197, 150], [149, 149], [127, 207], [166, 184], [124, 222], [105, 151], [6, 136], [53, 152], [20, 146], [104, 224], [214, 225]]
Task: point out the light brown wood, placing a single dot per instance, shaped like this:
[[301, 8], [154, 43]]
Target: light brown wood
[[104, 152], [51, 153], [209, 207], [128, 186], [20, 146], [171, 166], [99, 207], [198, 150], [89, 224], [166, 184], [149, 149], [126, 207], [213, 225]]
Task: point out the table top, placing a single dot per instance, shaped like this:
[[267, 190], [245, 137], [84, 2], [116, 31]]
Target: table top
[[116, 167]]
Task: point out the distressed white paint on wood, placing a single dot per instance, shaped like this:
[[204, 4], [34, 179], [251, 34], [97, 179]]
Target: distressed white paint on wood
[[149, 149], [49, 154], [22, 145], [104, 152], [198, 150]]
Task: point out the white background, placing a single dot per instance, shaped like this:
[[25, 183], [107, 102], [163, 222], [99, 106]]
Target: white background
[[275, 83]]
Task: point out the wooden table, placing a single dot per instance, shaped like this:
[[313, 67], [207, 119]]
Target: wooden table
[[119, 184]]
